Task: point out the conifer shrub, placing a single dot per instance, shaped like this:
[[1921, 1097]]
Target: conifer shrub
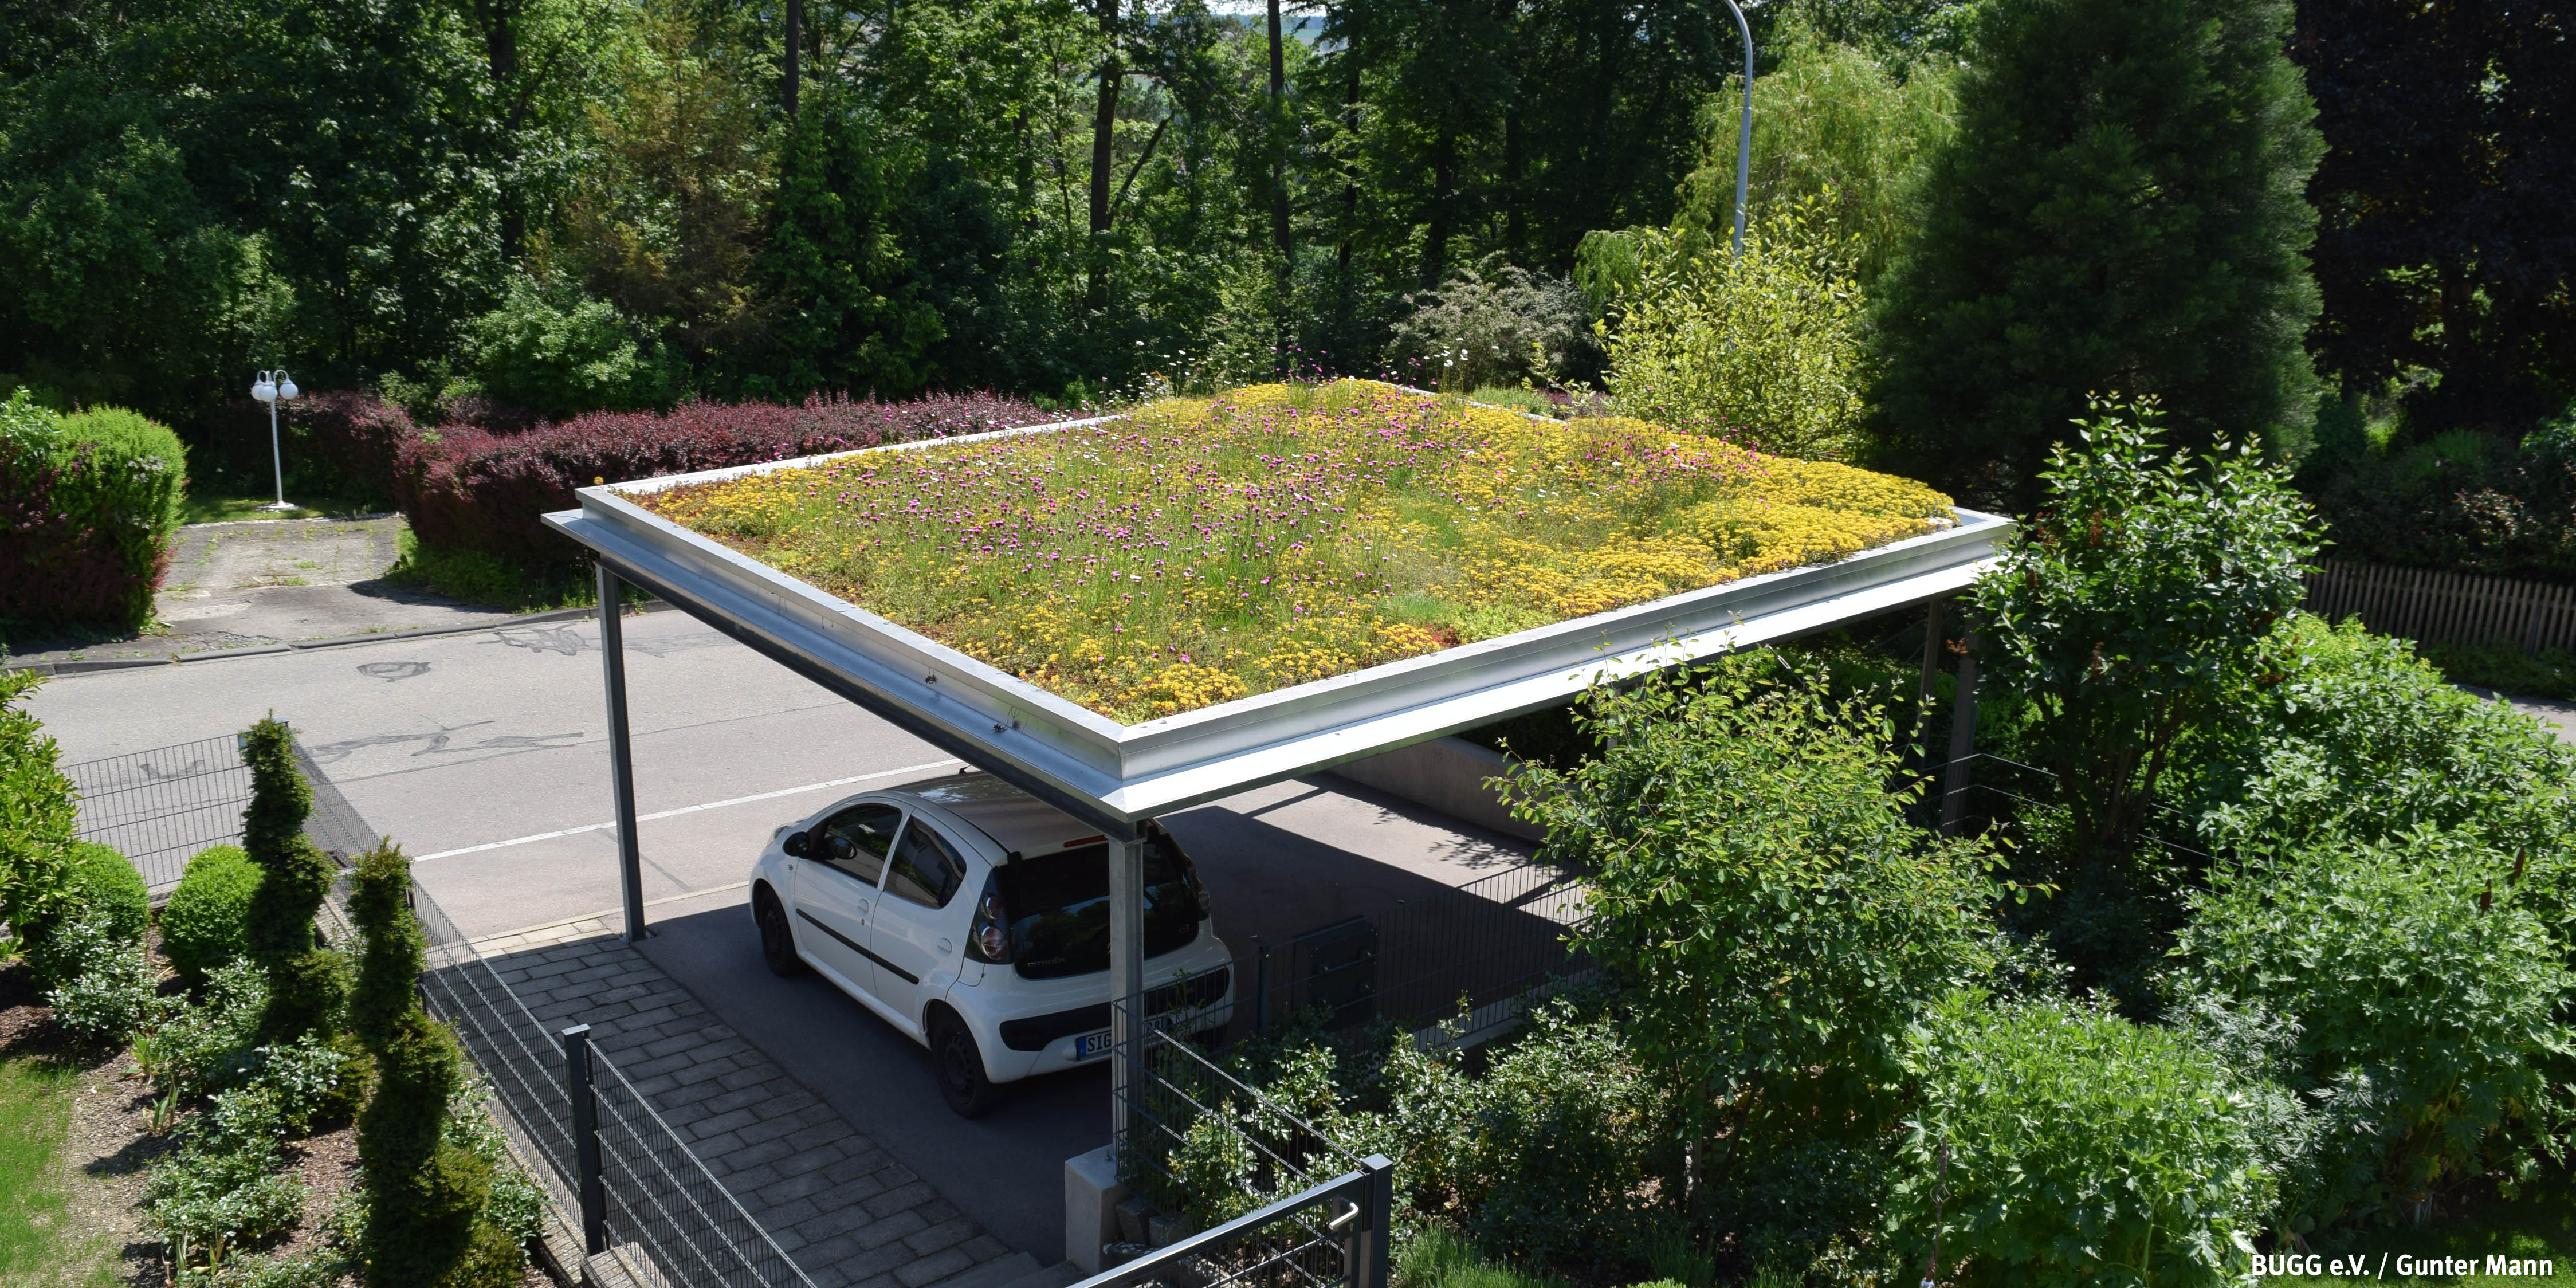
[[206, 923], [305, 978], [104, 881], [427, 1194], [37, 816]]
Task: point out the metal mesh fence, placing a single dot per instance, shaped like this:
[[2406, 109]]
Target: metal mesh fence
[[668, 1218], [160, 807], [666, 1203]]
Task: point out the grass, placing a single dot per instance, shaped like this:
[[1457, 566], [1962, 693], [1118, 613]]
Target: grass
[[478, 578], [2540, 1224], [2505, 668], [216, 504], [35, 1119], [1205, 550]]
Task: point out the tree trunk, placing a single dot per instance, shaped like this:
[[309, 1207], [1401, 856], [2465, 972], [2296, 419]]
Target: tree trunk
[[1278, 144], [1104, 137], [1444, 186], [501, 55], [793, 46]]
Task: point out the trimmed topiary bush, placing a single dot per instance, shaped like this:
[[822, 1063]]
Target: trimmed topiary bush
[[305, 979], [104, 881], [93, 501], [206, 924]]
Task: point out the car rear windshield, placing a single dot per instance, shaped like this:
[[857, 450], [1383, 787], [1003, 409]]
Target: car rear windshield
[[1059, 907]]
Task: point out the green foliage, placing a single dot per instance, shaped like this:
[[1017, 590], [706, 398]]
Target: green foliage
[[1562, 1152], [37, 816], [2063, 1145], [206, 924], [853, 317], [225, 1186], [1763, 348], [107, 989], [104, 883], [1832, 125], [558, 357], [1438, 1258], [2504, 667], [1493, 327], [204, 1043], [314, 1082], [1772, 919], [96, 499], [428, 1195], [305, 979], [2136, 605], [2427, 998], [2121, 208]]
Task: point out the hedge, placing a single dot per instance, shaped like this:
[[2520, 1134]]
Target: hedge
[[88, 505], [206, 924], [472, 489]]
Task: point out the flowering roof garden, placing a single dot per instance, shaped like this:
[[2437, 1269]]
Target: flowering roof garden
[[1201, 551]]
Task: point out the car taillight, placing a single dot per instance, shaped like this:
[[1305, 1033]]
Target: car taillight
[[989, 939]]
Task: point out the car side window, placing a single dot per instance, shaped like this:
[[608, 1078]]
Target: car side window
[[926, 869], [855, 840]]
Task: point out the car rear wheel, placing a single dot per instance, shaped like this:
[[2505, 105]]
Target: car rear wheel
[[777, 939], [960, 1068]]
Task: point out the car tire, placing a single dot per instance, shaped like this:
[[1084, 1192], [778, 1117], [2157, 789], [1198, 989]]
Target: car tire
[[777, 938], [959, 1066]]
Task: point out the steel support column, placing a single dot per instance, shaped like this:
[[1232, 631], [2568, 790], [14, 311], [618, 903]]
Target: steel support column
[[621, 750], [1963, 739], [1126, 979]]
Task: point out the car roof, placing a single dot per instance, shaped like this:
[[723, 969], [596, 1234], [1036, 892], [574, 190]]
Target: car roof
[[1013, 818]]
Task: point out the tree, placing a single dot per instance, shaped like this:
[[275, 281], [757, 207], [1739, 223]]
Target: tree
[[2448, 196], [2120, 209], [2135, 603], [1773, 919]]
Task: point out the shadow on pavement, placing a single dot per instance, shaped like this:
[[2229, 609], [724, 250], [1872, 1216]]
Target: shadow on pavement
[[1006, 1169]]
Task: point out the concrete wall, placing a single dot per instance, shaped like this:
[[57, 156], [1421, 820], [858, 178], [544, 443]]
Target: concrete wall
[[1448, 775]]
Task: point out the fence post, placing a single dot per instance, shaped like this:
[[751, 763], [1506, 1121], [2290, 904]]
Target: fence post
[[1963, 738], [1260, 984], [1372, 1259], [585, 1139]]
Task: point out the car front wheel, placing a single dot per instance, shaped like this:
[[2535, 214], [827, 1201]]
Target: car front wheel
[[777, 939], [961, 1068]]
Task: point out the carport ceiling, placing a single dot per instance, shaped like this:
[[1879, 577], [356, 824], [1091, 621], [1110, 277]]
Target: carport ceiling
[[1118, 774]]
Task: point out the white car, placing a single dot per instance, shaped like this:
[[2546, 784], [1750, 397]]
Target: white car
[[975, 918]]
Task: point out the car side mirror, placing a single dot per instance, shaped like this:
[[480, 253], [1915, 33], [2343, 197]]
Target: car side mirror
[[796, 845]]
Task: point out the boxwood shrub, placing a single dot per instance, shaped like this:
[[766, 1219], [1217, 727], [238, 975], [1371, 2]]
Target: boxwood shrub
[[206, 923], [92, 502], [105, 881]]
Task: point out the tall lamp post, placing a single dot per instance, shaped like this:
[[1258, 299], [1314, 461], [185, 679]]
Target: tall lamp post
[[274, 387], [1744, 133]]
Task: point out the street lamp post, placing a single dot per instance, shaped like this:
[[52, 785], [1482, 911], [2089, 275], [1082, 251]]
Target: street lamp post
[[274, 387], [1744, 133]]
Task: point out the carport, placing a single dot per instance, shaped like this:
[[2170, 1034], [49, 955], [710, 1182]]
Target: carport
[[1119, 777]]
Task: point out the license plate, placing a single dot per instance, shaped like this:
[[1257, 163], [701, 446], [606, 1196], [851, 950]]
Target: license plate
[[1089, 1045]]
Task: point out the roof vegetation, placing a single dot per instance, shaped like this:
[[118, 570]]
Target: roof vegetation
[[1204, 550]]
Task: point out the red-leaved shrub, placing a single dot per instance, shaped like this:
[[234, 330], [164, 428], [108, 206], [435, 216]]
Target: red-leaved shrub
[[472, 489]]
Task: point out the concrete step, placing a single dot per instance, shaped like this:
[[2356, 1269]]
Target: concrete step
[[1062, 1274]]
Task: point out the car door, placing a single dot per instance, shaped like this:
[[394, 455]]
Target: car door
[[835, 889], [919, 920]]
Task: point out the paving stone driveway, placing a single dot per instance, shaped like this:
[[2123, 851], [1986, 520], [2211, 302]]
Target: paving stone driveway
[[843, 1210]]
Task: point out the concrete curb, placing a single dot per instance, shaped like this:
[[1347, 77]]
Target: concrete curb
[[91, 666]]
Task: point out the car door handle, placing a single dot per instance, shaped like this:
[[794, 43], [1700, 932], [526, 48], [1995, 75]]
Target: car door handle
[[946, 947]]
